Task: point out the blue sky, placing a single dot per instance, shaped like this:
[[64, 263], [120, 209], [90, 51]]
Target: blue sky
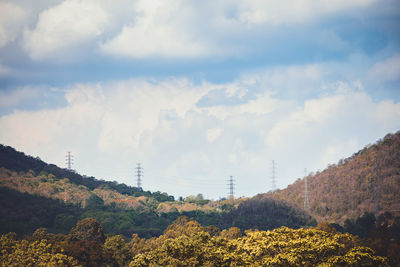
[[198, 90]]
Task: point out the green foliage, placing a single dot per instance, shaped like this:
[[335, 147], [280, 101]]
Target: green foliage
[[227, 207], [94, 202], [199, 199], [23, 213], [264, 213], [63, 222]]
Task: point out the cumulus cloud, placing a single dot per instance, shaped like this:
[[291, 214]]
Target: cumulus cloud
[[161, 28], [327, 123], [12, 19], [64, 29], [185, 147], [177, 28], [69, 29]]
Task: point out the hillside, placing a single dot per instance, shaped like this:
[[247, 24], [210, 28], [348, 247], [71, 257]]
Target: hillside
[[355, 185], [16, 161], [63, 189], [55, 198]]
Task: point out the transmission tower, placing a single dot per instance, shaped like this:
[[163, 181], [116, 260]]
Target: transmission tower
[[306, 202], [231, 186], [69, 160], [273, 170], [139, 175]]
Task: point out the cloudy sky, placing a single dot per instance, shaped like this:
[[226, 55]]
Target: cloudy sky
[[198, 90]]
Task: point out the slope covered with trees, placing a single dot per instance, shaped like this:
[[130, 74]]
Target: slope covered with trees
[[19, 162], [42, 199], [369, 181]]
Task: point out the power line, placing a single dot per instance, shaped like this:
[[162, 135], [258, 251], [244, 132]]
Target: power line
[[69, 160], [139, 175], [306, 202], [231, 186]]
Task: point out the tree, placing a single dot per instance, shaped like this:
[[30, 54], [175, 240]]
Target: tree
[[94, 202], [117, 247], [34, 253], [87, 230], [280, 247]]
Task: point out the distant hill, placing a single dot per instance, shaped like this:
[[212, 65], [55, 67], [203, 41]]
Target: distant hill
[[367, 181], [16, 161], [44, 195]]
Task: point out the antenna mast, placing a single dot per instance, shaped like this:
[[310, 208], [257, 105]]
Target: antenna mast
[[139, 175], [69, 160], [306, 202]]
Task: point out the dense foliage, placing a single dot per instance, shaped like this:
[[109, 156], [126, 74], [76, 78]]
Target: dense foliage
[[23, 213], [32, 253], [381, 234], [187, 243], [264, 213], [46, 200], [366, 182]]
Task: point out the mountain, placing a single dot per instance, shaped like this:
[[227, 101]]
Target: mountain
[[368, 181]]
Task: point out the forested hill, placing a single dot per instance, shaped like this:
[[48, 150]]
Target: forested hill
[[370, 178], [55, 198], [17, 161]]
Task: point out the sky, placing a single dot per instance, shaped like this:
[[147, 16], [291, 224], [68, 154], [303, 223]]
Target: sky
[[198, 91]]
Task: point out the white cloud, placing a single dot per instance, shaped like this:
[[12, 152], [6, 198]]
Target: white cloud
[[154, 28], [12, 19], [288, 12], [161, 28], [336, 150], [186, 148], [64, 29], [213, 134], [387, 70], [82, 93], [334, 126], [176, 28]]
